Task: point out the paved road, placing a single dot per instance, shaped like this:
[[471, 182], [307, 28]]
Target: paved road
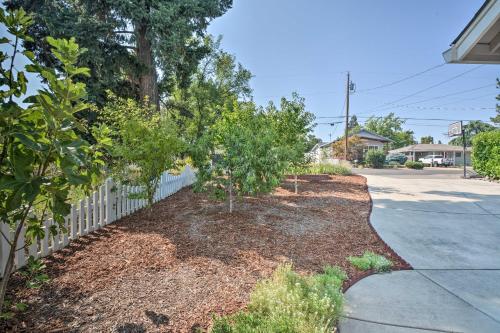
[[448, 229]]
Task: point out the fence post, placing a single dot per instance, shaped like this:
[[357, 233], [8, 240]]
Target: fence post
[[81, 218], [109, 201], [101, 206], [118, 201], [95, 211], [64, 235], [73, 223], [20, 258], [4, 249], [54, 238], [89, 214], [44, 248]]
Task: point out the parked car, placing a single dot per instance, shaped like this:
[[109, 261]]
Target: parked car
[[399, 158], [436, 160]]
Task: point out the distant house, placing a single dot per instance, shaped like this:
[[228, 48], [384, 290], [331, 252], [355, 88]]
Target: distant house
[[372, 141], [322, 152], [417, 151]]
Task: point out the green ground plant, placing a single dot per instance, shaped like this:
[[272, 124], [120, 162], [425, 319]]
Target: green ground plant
[[291, 303], [414, 165], [325, 168], [370, 260]]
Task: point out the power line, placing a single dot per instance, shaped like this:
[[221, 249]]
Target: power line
[[437, 97], [403, 79], [413, 118], [425, 89]]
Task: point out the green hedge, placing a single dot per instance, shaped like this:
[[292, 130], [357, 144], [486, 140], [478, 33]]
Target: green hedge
[[486, 154], [375, 159], [414, 165]]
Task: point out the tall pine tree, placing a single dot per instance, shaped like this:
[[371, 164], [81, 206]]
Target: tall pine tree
[[137, 48]]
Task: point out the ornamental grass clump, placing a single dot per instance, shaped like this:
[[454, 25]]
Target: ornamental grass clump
[[325, 168], [289, 302], [370, 260]]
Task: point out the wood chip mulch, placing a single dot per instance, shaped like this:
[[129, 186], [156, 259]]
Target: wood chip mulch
[[170, 271]]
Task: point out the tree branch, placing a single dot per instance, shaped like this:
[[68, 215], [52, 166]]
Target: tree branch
[[6, 239]]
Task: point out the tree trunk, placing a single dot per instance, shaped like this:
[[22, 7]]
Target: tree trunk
[[296, 185], [9, 266], [148, 84]]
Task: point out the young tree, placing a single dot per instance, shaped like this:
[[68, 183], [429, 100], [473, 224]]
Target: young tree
[[391, 127], [41, 156], [145, 144], [217, 79], [427, 139], [239, 155], [353, 124], [128, 40], [355, 152], [292, 124]]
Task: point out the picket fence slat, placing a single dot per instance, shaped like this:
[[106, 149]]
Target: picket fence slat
[[73, 222], [65, 239], [110, 202], [44, 243], [102, 192], [20, 258]]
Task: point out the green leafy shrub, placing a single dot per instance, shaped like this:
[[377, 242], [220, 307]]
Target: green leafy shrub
[[324, 168], [41, 154], [370, 260], [486, 154], [239, 155], [414, 165], [375, 158], [288, 302]]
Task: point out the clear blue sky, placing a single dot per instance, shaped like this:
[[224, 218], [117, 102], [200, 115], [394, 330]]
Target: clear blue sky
[[307, 46]]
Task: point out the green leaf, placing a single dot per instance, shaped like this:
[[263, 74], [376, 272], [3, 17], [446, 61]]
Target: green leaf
[[21, 307]]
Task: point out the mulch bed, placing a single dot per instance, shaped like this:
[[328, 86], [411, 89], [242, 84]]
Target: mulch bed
[[172, 270]]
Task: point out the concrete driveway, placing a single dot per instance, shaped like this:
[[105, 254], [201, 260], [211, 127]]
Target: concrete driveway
[[448, 229]]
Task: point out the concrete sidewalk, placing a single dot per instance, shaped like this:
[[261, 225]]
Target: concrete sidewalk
[[448, 229]]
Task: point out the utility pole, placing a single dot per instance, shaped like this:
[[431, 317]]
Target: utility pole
[[464, 144], [346, 134]]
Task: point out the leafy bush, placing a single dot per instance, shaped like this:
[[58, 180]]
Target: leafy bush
[[324, 168], [486, 154], [414, 165], [240, 154], [375, 158], [288, 302], [370, 260], [145, 143], [42, 155]]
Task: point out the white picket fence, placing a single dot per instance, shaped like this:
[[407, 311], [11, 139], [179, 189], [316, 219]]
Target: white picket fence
[[110, 203]]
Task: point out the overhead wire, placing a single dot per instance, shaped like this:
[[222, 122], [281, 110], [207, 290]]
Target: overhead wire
[[403, 79], [424, 90]]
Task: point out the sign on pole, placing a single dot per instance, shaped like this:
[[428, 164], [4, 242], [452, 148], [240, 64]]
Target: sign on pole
[[455, 129]]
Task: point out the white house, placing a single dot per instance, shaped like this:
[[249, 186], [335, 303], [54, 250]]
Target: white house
[[322, 152], [417, 151], [479, 41]]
